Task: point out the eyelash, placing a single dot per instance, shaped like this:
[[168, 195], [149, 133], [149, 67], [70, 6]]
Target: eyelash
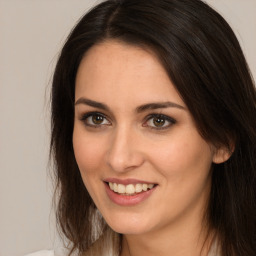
[[86, 116], [162, 117]]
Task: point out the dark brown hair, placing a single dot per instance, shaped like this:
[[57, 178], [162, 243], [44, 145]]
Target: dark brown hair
[[205, 62]]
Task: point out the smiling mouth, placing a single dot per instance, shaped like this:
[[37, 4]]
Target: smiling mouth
[[130, 189]]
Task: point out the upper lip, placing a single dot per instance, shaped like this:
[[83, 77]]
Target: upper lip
[[127, 181]]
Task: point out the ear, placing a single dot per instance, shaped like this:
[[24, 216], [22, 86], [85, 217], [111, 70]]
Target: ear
[[222, 154]]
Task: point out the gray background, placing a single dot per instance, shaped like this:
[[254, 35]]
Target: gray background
[[31, 35]]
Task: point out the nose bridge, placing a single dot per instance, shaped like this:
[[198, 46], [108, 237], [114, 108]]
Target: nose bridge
[[123, 151]]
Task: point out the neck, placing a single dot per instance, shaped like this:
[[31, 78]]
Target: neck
[[135, 246]]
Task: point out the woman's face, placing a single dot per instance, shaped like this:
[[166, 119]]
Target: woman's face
[[133, 132]]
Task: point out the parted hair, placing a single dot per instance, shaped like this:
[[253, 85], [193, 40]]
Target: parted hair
[[204, 60]]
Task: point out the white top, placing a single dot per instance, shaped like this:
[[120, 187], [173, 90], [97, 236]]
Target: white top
[[51, 253], [63, 252]]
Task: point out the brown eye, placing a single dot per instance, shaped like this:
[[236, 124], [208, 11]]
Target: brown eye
[[158, 122], [97, 119]]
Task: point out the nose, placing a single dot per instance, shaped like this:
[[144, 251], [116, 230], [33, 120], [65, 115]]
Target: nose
[[124, 153]]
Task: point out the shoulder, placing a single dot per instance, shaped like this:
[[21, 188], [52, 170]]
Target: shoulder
[[42, 253]]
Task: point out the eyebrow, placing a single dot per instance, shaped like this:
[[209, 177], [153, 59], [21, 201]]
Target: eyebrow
[[92, 103], [158, 105], [142, 108]]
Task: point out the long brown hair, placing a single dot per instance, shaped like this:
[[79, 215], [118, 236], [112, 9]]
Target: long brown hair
[[205, 62]]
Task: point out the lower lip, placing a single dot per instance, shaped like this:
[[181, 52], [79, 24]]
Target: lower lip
[[128, 200]]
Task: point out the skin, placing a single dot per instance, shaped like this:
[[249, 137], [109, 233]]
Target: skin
[[127, 144]]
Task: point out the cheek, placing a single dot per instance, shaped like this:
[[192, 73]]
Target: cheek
[[185, 167], [88, 153], [183, 155]]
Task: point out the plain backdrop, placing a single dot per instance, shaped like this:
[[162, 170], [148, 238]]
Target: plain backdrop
[[31, 35]]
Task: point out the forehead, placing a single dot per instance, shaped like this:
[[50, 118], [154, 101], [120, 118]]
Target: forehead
[[107, 55], [113, 68]]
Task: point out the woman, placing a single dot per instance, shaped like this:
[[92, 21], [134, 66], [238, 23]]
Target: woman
[[153, 133]]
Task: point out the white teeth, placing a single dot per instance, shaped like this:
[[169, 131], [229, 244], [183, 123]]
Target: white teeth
[[138, 188], [121, 188], [144, 187], [129, 189], [150, 186], [115, 187]]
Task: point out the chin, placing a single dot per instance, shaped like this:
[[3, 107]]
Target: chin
[[129, 230], [128, 224]]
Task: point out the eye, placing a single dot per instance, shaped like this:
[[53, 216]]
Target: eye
[[159, 121], [95, 119]]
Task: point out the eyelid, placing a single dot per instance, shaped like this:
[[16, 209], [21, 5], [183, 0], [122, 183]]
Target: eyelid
[[158, 115], [85, 116]]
